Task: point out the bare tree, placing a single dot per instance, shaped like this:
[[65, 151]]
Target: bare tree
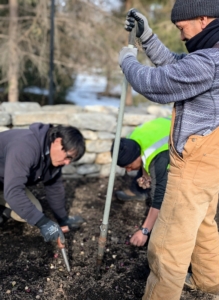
[[86, 37], [13, 59]]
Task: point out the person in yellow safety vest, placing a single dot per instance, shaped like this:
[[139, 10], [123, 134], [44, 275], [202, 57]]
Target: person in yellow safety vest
[[146, 150]]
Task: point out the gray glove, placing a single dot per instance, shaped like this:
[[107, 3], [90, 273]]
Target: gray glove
[[143, 31], [73, 222], [125, 52], [50, 230]]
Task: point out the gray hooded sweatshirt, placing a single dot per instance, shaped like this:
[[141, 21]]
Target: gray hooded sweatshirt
[[25, 160], [191, 81]]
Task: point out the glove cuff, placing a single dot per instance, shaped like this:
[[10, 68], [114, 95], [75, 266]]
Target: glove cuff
[[146, 35], [145, 42], [42, 221], [128, 54]]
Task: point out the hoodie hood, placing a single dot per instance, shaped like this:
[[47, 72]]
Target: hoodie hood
[[40, 132]]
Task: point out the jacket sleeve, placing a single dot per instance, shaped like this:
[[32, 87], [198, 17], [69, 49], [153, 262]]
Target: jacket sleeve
[[189, 77], [159, 54], [55, 195], [158, 173], [19, 160]]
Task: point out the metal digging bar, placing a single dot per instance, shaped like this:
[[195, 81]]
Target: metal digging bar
[[62, 248], [104, 225]]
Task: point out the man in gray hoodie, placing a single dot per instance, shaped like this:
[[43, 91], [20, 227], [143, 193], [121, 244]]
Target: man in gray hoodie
[[185, 229], [28, 156]]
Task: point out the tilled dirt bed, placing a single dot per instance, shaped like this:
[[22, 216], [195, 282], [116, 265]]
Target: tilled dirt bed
[[33, 269]]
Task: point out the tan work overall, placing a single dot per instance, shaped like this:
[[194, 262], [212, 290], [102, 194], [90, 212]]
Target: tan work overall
[[32, 198], [185, 230]]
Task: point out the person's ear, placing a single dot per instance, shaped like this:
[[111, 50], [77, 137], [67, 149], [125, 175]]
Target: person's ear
[[204, 22], [58, 141]]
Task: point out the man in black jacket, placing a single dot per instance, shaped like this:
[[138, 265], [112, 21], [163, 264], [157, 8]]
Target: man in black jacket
[[28, 156]]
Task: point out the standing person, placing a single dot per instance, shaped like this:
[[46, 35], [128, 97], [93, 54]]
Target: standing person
[[185, 228], [146, 150], [28, 156]]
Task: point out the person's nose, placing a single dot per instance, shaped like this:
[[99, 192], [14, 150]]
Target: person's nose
[[182, 36], [67, 162]]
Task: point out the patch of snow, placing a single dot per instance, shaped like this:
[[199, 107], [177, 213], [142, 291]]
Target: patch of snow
[[36, 90], [85, 91]]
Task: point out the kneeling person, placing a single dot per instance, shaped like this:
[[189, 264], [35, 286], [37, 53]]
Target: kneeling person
[[146, 150], [28, 156]]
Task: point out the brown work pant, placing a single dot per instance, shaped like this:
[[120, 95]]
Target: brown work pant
[[32, 198], [185, 230]]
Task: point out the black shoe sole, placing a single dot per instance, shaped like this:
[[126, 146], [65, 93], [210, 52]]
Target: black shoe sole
[[126, 198]]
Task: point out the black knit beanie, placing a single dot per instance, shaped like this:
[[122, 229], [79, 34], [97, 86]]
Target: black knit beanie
[[129, 151], [191, 9]]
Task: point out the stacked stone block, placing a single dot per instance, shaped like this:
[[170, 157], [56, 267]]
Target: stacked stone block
[[97, 124]]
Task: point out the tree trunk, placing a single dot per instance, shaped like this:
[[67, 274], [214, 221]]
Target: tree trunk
[[13, 53]]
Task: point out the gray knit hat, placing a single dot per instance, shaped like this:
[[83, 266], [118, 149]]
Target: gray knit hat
[[191, 9]]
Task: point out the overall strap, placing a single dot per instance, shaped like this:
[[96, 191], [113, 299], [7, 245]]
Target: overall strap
[[172, 126]]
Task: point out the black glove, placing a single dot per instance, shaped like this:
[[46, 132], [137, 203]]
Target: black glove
[[143, 30], [50, 230], [73, 222]]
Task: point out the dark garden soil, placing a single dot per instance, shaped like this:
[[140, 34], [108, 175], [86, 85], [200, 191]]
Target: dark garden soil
[[33, 269]]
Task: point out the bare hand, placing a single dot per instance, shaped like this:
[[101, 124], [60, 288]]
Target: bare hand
[[144, 182], [138, 239]]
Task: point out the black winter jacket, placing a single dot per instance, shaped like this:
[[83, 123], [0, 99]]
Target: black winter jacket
[[25, 160]]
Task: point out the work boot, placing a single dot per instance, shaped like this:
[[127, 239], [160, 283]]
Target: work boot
[[128, 195], [189, 282], [5, 216]]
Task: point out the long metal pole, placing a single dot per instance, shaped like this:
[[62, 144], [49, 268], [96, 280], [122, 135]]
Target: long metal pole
[[104, 225], [51, 65]]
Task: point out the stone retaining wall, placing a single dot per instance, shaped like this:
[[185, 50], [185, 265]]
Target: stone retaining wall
[[97, 124]]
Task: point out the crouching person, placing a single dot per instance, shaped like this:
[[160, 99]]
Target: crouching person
[[146, 150], [28, 156]]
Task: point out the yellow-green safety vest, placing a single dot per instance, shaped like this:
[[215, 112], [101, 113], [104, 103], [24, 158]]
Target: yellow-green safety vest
[[153, 138]]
